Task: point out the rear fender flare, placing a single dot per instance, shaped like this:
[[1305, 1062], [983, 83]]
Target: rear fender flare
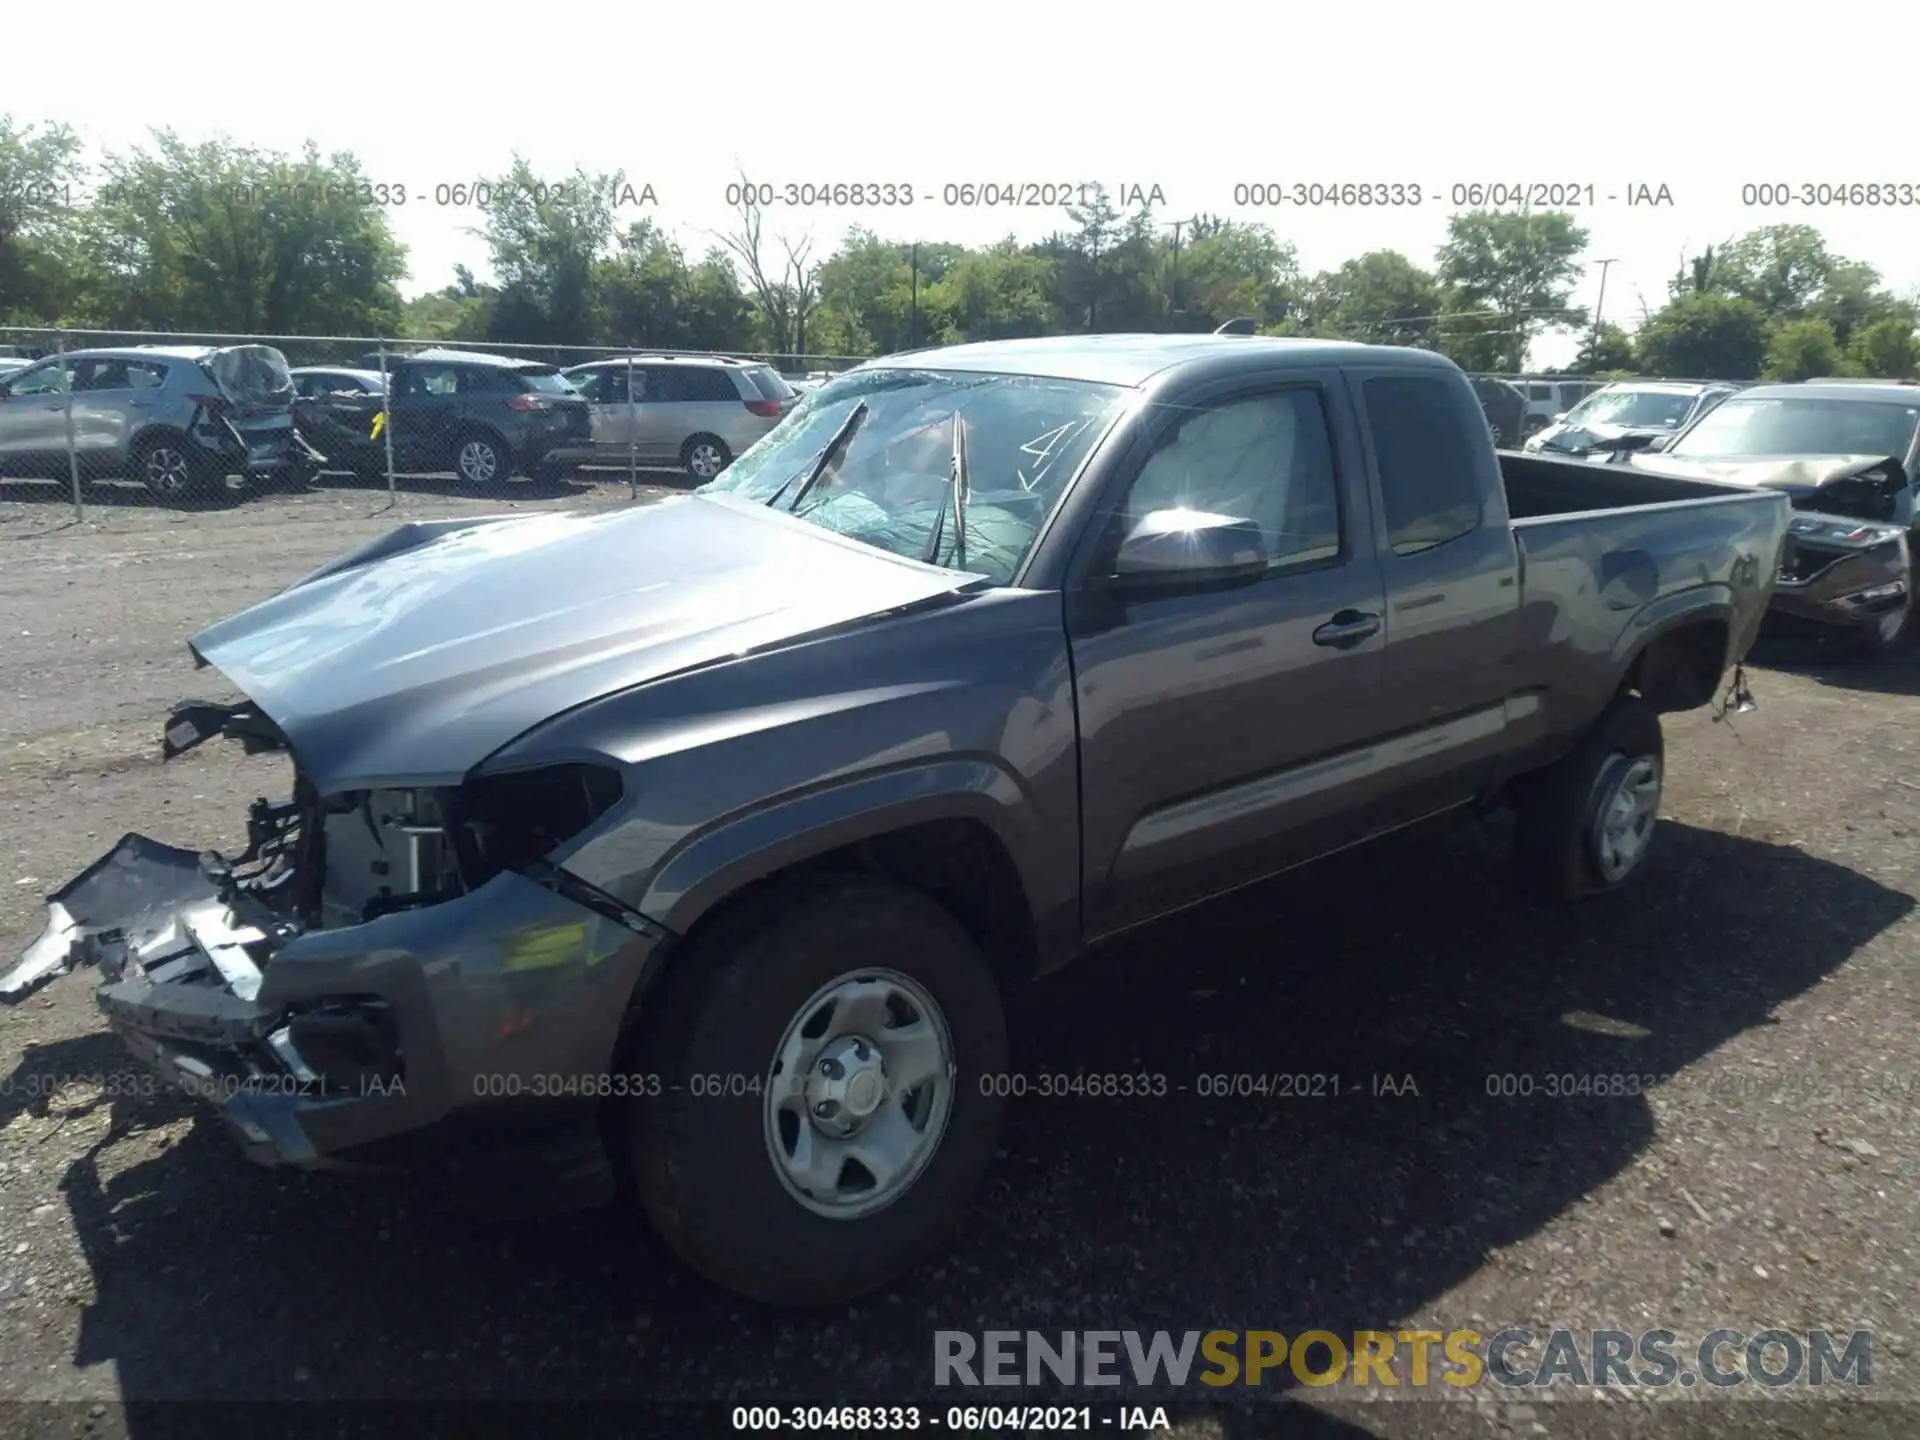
[[722, 860], [1667, 615]]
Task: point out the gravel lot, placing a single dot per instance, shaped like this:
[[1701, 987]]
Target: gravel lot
[[1768, 965]]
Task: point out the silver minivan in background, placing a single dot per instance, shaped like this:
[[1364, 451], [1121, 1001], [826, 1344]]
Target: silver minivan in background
[[691, 412], [177, 418]]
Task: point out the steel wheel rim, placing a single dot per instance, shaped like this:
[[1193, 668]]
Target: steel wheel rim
[[1625, 807], [704, 461], [478, 462], [167, 471], [859, 1093]]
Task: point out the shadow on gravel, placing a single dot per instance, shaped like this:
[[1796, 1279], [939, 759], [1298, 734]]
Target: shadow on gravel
[[1310, 1209]]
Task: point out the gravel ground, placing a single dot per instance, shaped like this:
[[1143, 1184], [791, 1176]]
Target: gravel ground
[[1767, 966]]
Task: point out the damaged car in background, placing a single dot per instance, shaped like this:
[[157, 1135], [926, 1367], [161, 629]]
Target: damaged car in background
[[697, 841], [1846, 453], [1655, 409]]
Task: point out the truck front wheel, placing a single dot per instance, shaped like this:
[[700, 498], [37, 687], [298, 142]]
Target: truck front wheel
[[1585, 822], [827, 1104]]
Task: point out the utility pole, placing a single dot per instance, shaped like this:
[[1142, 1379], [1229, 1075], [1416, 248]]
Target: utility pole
[[1593, 345], [1173, 269]]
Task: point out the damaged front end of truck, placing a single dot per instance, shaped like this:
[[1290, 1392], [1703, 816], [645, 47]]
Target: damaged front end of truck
[[402, 942], [373, 963]]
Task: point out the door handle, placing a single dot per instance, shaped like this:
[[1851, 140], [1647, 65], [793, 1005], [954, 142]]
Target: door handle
[[1347, 629]]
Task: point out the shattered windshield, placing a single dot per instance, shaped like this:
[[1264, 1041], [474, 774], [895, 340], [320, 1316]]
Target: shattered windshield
[[1631, 408], [1803, 427], [890, 485]]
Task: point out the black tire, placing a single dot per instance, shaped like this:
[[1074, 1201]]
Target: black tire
[[1558, 853], [703, 1164], [174, 472], [705, 456], [482, 459]]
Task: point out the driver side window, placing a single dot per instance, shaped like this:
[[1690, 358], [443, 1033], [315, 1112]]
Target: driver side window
[[51, 379], [1265, 458]]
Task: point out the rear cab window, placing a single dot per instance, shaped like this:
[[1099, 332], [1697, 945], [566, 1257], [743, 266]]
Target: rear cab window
[[1427, 461]]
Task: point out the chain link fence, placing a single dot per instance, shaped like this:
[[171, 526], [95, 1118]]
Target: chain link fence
[[200, 419]]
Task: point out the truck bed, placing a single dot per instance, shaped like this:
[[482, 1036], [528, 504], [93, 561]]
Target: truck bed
[[1609, 553]]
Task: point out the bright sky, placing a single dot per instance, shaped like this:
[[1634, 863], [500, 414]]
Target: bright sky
[[1195, 99]]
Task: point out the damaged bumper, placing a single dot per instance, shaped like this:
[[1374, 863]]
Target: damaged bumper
[[1840, 572], [323, 1047]]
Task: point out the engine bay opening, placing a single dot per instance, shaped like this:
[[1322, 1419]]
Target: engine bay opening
[[321, 864], [1871, 494]]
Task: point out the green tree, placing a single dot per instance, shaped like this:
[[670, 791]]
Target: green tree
[[1802, 350], [1229, 269], [1887, 348], [1105, 267], [1380, 297], [1781, 268], [1697, 275], [649, 294], [1521, 263], [1003, 292], [869, 296], [462, 311], [545, 239], [1477, 337], [40, 180], [1852, 297], [223, 238], [1705, 336], [1611, 350]]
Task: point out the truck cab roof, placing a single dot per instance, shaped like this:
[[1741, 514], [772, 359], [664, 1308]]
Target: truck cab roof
[[1133, 360]]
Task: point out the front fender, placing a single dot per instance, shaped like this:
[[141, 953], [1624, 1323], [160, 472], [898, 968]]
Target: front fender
[[718, 861]]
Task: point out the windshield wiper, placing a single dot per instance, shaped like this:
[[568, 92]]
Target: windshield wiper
[[955, 500], [827, 457]]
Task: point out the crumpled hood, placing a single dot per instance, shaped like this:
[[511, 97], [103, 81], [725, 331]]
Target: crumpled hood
[[1576, 438], [411, 660], [1794, 473]]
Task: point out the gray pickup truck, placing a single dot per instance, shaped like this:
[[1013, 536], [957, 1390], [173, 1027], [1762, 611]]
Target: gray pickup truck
[[696, 843]]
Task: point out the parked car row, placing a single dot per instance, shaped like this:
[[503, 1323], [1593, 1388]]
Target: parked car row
[[175, 417], [488, 417]]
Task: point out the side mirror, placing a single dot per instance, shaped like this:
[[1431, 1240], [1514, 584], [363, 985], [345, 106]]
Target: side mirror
[[1189, 548]]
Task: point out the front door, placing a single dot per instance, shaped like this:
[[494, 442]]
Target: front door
[[33, 420], [1212, 723]]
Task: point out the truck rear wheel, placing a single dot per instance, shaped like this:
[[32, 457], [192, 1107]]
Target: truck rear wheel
[[1585, 822], [823, 1116]]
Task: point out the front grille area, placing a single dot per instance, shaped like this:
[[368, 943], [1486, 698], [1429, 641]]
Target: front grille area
[[1799, 564]]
